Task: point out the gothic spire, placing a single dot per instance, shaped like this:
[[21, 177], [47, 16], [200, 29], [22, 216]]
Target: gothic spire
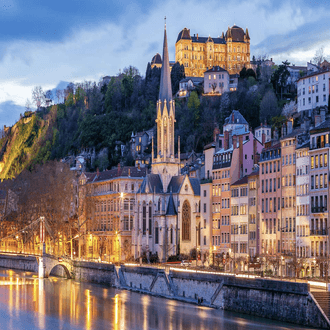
[[165, 89]]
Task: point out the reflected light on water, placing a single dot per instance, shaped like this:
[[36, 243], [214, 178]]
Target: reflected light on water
[[56, 303]]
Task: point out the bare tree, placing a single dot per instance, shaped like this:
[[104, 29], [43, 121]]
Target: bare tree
[[289, 109], [38, 96], [319, 56]]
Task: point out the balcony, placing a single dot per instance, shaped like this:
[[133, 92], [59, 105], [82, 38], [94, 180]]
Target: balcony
[[319, 209], [318, 232]]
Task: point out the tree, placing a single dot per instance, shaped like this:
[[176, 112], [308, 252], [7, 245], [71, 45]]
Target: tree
[[59, 93], [319, 57], [49, 95], [289, 109], [268, 107], [38, 96], [177, 74], [280, 77], [28, 105]]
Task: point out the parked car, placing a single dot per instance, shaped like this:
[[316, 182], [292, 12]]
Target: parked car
[[185, 263]]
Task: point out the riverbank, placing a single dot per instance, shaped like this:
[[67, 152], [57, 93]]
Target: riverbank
[[277, 300]]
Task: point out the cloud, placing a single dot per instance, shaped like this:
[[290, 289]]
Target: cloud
[[9, 113], [98, 47]]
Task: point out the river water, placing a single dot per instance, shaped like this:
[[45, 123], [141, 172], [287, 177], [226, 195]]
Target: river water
[[56, 303]]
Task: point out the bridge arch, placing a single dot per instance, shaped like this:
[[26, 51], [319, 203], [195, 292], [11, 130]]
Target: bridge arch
[[64, 267]]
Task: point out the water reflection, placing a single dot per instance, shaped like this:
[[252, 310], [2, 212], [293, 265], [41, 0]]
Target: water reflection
[[27, 302]]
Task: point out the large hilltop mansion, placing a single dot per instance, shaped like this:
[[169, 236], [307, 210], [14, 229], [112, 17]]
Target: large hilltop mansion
[[231, 51]]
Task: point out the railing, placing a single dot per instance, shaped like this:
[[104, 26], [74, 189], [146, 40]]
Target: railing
[[319, 209], [318, 232]]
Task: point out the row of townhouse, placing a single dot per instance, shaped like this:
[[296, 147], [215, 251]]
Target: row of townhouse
[[273, 214]]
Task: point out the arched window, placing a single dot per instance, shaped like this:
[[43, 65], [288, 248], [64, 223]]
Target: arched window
[[150, 219], [156, 233], [186, 221]]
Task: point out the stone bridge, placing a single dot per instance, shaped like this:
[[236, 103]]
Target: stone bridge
[[48, 262]]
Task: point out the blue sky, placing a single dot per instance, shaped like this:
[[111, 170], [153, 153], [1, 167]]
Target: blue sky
[[46, 42]]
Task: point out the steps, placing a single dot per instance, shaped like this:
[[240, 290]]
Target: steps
[[323, 299]]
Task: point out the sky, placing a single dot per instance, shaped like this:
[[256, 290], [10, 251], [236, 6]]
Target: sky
[[50, 43]]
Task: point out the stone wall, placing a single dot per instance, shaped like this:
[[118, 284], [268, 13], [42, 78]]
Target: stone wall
[[278, 300], [19, 262]]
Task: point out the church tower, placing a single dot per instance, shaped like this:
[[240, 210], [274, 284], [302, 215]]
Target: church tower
[[165, 164]]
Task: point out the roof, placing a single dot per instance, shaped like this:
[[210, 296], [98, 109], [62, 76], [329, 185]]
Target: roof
[[171, 207], [165, 89], [241, 181], [183, 34], [193, 79], [175, 184], [209, 146], [294, 133], [151, 183], [255, 172], [216, 68], [156, 59], [314, 74], [237, 33], [324, 126], [195, 185], [127, 171], [238, 118], [303, 145]]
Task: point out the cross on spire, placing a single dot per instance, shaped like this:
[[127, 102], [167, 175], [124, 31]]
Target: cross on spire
[[165, 22]]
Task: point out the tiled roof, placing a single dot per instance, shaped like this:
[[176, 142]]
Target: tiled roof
[[175, 184], [325, 125], [196, 186], [241, 181], [133, 172], [216, 68], [171, 207], [238, 118], [154, 184]]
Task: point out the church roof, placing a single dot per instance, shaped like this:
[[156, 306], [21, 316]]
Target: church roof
[[152, 183], [165, 89], [216, 68], [195, 185], [171, 207], [175, 184], [184, 34]]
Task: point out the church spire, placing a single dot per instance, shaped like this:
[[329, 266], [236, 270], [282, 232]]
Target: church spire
[[165, 89]]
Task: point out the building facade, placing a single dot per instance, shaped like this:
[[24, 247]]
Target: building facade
[[231, 51]]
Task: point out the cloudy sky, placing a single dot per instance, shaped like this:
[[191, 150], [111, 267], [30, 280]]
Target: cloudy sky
[[47, 43]]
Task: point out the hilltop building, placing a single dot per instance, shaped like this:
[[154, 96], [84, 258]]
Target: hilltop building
[[231, 51]]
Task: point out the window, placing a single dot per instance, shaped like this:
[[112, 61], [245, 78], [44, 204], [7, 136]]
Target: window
[[186, 221], [156, 234]]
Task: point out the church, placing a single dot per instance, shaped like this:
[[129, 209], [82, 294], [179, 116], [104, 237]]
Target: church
[[167, 209]]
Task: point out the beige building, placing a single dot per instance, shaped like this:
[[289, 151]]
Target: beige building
[[231, 51]]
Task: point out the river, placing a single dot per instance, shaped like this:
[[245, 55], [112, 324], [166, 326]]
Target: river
[[57, 303]]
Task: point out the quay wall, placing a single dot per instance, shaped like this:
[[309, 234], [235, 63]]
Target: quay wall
[[277, 300]]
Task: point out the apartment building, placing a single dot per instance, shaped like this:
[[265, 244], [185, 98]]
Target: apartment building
[[270, 200], [318, 175], [253, 213], [303, 241], [313, 91], [239, 222]]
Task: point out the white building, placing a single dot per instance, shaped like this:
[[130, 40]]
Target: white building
[[216, 81], [303, 241], [313, 91], [263, 129]]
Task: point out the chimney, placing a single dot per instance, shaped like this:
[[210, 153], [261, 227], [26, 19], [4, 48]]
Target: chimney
[[139, 167], [118, 169], [216, 133], [255, 145], [322, 113], [234, 141], [233, 117], [317, 120], [197, 36], [283, 130], [97, 172], [240, 140], [129, 172], [289, 125], [226, 138]]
